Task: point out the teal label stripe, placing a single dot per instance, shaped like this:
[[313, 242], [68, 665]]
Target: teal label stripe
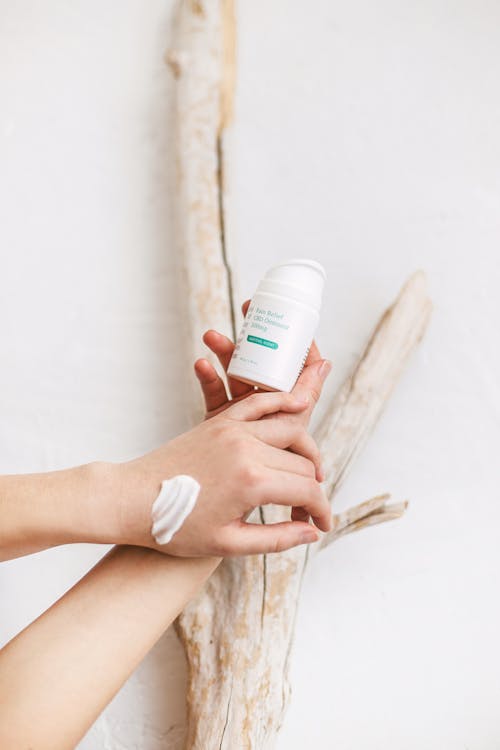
[[262, 342]]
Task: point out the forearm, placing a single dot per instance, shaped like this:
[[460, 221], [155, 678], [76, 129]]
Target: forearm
[[59, 673], [43, 510]]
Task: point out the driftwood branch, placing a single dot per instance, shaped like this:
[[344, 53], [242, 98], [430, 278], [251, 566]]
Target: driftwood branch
[[348, 421], [202, 62], [369, 513], [238, 632]]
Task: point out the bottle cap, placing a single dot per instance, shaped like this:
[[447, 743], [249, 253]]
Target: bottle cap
[[299, 278]]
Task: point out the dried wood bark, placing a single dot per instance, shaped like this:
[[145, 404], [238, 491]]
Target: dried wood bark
[[238, 632], [202, 60]]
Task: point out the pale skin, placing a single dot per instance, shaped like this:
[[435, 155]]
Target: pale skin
[[105, 502], [59, 673]]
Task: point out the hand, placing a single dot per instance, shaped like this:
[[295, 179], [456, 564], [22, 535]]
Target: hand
[[245, 455], [309, 384], [239, 460], [214, 390]]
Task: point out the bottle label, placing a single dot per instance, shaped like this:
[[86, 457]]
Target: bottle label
[[262, 342], [274, 340]]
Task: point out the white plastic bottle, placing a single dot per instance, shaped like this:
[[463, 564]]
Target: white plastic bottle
[[279, 326]]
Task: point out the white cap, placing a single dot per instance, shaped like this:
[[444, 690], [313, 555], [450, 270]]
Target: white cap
[[299, 278]]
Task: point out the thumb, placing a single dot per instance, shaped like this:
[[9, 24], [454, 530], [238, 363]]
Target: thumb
[[257, 538]]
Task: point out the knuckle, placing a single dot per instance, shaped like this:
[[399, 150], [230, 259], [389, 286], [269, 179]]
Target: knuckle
[[234, 441], [304, 466], [310, 468], [303, 434], [250, 475], [280, 543], [254, 399], [314, 491], [223, 547], [311, 446], [313, 487], [315, 394], [219, 549], [315, 451], [323, 503], [219, 428], [319, 492]]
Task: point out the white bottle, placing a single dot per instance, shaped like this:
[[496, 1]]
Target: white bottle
[[279, 326]]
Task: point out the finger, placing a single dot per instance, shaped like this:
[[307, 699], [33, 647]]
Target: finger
[[281, 488], [212, 385], [284, 460], [258, 405], [305, 445], [288, 433], [258, 538], [221, 345], [310, 384], [223, 349]]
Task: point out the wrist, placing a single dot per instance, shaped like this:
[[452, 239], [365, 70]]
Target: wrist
[[48, 509], [95, 516], [132, 487], [81, 504]]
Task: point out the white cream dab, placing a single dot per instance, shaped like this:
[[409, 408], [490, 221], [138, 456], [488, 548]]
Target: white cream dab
[[174, 503]]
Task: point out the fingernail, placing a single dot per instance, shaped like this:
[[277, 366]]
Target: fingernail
[[325, 369], [307, 536]]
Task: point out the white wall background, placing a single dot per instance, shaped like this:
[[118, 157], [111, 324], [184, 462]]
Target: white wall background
[[367, 136]]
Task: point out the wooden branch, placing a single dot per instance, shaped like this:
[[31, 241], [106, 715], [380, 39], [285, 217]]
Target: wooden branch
[[202, 62], [238, 632], [348, 421], [369, 513]]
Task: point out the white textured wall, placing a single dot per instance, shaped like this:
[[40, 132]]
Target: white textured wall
[[367, 137]]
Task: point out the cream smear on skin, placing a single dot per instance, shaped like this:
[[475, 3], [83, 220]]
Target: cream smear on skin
[[174, 503]]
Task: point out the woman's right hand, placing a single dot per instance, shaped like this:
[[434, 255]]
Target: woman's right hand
[[241, 462]]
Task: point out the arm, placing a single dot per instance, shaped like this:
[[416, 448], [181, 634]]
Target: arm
[[112, 503], [63, 669], [59, 673]]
